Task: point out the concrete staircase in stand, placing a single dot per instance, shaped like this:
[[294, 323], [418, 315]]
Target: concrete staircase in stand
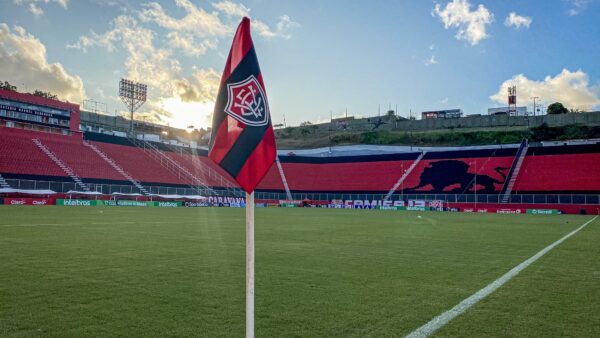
[[61, 164]]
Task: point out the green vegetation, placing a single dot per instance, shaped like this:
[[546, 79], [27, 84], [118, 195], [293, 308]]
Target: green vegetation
[[557, 108], [434, 138], [568, 132], [46, 95], [7, 86], [448, 137], [119, 271]]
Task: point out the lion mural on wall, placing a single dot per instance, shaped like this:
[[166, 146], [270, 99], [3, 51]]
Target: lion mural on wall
[[446, 173]]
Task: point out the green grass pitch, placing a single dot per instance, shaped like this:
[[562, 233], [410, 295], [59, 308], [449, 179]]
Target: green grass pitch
[[85, 271]]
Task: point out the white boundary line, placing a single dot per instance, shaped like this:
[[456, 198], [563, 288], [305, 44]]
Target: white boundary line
[[442, 319]]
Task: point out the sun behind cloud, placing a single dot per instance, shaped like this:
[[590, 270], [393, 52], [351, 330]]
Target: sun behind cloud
[[185, 114]]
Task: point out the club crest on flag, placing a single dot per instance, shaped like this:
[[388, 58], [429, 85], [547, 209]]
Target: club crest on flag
[[247, 102]]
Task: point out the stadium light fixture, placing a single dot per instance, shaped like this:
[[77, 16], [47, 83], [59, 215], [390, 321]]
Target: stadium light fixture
[[133, 95]]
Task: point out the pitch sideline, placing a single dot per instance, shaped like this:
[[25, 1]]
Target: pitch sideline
[[442, 319]]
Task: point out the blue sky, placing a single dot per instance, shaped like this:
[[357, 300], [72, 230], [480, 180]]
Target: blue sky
[[316, 57]]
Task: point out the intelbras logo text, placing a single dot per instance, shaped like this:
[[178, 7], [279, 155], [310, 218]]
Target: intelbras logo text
[[78, 203], [168, 204]]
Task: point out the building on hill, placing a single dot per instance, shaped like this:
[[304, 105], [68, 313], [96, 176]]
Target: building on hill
[[521, 111], [442, 114]]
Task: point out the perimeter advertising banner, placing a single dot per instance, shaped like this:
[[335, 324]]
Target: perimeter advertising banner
[[509, 211], [384, 207], [79, 203], [542, 211], [122, 203], [27, 201]]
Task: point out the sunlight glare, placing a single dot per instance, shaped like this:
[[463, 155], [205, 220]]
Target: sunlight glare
[[185, 114]]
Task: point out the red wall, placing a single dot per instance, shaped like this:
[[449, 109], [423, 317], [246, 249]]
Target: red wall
[[494, 207]]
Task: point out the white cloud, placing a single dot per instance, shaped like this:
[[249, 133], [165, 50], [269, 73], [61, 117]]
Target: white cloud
[[513, 19], [232, 9], [432, 46], [157, 66], [282, 28], [23, 60], [570, 88], [188, 45], [431, 61], [578, 6], [196, 21], [154, 58], [35, 9], [471, 24]]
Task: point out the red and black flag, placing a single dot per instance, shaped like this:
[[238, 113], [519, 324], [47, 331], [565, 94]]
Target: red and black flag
[[242, 141]]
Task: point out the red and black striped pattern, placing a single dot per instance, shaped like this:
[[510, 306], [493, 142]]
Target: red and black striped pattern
[[245, 151]]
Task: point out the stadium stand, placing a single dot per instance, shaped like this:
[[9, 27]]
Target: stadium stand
[[137, 164], [20, 157], [560, 169], [441, 172], [347, 174]]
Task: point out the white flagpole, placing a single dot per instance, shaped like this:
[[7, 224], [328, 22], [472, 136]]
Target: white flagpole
[[250, 265]]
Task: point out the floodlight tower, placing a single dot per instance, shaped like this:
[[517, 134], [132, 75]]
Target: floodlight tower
[[133, 95], [512, 100]]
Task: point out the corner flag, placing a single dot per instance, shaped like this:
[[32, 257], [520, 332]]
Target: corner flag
[[242, 141]]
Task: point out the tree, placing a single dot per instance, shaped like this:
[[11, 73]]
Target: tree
[[557, 108], [7, 86], [46, 95]]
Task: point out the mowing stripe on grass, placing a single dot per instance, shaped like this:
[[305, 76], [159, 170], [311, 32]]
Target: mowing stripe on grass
[[63, 224], [442, 319]]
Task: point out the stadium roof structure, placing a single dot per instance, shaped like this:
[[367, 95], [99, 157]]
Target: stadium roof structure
[[26, 191], [364, 149]]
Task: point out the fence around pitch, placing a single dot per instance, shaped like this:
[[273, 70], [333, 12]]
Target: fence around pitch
[[63, 187]]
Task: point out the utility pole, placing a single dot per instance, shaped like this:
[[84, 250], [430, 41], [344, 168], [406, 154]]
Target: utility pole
[[476, 184], [330, 128], [402, 183], [534, 98]]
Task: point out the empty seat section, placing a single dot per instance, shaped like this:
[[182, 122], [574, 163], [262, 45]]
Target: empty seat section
[[83, 160], [567, 173], [202, 168], [352, 176], [138, 164], [272, 180], [19, 155], [222, 173]]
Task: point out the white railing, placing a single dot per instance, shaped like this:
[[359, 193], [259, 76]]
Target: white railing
[[117, 167], [173, 166], [404, 176], [61, 164], [206, 171], [283, 179], [515, 172], [62, 187], [3, 183]]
